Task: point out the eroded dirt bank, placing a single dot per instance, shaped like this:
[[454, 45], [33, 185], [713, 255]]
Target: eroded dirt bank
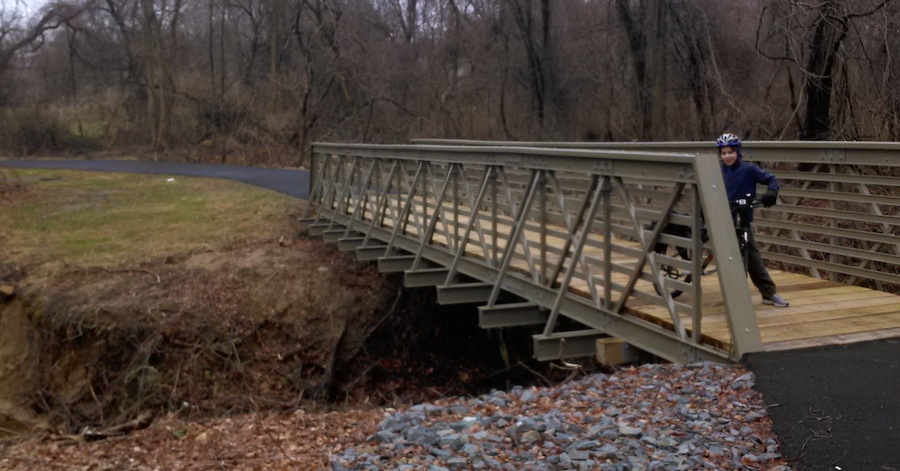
[[255, 325]]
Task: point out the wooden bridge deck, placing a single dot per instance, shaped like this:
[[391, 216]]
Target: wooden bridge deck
[[820, 313]]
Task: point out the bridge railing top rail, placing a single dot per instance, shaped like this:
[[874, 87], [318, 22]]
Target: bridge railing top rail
[[523, 154], [846, 152], [838, 200]]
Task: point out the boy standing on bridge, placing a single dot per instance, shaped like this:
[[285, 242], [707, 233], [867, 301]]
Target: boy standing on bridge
[[741, 179]]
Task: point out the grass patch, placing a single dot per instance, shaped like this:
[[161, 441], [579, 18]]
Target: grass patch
[[104, 219]]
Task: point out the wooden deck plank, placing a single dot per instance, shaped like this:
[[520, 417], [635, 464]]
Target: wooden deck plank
[[840, 339], [714, 309], [789, 321], [833, 328]]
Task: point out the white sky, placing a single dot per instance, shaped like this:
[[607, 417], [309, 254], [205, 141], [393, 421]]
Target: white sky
[[31, 5]]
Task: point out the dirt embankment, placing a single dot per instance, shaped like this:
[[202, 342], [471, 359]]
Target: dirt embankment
[[256, 325], [207, 318]]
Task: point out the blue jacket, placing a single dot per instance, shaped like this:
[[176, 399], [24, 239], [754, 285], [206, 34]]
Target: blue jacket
[[741, 179]]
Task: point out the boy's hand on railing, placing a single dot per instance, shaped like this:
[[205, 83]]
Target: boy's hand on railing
[[769, 198]]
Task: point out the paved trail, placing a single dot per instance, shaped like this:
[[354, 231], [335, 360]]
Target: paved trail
[[834, 408], [290, 182]]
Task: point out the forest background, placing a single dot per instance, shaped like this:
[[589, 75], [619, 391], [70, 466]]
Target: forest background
[[257, 81]]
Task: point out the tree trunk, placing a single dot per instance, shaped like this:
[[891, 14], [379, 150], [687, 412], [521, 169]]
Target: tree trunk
[[538, 50], [635, 32], [275, 13], [828, 33]]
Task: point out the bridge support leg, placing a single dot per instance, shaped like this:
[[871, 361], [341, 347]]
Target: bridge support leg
[[613, 351]]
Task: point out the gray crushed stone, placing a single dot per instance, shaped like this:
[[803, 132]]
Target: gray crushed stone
[[651, 417]]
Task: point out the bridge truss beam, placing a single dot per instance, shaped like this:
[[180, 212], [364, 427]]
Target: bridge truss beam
[[559, 237]]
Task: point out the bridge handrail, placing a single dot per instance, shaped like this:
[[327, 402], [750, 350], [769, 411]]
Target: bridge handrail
[[846, 152], [835, 194]]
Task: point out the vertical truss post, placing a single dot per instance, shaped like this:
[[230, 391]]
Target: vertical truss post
[[696, 263], [572, 228], [649, 254], [607, 243], [579, 248], [429, 232], [377, 213], [521, 217], [461, 247], [331, 192], [347, 186], [729, 265], [400, 226], [455, 212], [526, 247], [342, 205], [359, 210], [315, 185], [494, 240], [543, 224]]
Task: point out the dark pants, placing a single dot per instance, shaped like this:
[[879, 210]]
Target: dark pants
[[756, 268]]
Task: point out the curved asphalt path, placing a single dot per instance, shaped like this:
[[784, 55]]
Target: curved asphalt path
[[834, 408], [290, 182]]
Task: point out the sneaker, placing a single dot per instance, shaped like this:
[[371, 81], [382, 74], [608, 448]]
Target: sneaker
[[775, 300]]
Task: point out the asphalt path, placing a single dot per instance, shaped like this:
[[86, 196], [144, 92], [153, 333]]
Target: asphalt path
[[290, 182], [834, 408], [837, 407]]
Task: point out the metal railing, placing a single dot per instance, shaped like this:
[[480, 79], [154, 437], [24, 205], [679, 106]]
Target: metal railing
[[838, 216], [558, 238]]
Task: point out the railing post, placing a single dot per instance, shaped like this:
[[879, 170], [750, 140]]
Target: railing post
[[729, 264]]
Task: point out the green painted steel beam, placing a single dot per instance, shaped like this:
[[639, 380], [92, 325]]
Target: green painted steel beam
[[511, 315], [371, 253], [468, 293], [424, 277], [562, 345], [395, 263], [317, 229], [332, 236], [350, 244], [304, 223]]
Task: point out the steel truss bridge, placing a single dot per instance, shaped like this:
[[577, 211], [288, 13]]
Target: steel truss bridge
[[560, 236]]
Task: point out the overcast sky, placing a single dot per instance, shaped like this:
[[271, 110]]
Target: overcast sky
[[32, 5]]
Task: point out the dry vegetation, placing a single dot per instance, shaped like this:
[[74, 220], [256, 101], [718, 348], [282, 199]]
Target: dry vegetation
[[260, 81], [115, 308]]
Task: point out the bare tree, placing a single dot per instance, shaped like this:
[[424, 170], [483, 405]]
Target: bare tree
[[646, 26], [811, 36], [17, 33], [533, 22]]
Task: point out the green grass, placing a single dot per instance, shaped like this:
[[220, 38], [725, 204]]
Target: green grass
[[89, 218]]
